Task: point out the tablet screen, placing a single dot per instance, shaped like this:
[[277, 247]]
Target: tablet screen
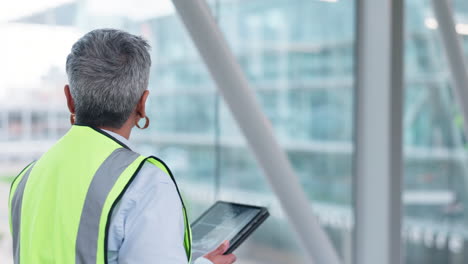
[[221, 222]]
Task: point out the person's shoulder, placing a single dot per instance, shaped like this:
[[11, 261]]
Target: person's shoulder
[[154, 173], [148, 179]]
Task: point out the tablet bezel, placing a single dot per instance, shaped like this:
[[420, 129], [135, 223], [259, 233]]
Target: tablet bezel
[[246, 230]]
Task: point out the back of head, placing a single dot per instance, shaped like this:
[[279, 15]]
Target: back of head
[[108, 71]]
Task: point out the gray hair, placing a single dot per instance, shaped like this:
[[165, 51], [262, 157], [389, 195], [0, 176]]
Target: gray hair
[[108, 71]]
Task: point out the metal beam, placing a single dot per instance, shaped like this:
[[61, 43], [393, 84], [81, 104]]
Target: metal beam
[[378, 132], [242, 102], [452, 44]]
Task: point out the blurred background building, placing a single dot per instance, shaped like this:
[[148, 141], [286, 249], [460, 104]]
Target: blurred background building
[[299, 56]]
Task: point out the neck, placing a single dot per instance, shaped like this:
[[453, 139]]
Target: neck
[[124, 131], [125, 134]]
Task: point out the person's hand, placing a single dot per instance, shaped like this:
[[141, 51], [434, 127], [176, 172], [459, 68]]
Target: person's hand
[[216, 256]]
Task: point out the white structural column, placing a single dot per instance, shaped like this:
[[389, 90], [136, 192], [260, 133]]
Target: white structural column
[[452, 44], [378, 132], [242, 102]]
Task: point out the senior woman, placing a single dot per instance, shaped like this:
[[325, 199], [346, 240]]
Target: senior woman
[[91, 198]]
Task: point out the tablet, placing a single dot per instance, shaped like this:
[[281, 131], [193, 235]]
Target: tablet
[[225, 221]]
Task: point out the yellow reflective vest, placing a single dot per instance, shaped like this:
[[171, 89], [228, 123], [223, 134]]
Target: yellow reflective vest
[[60, 205]]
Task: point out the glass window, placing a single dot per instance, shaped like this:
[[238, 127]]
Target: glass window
[[15, 125], [298, 56], [3, 124], [435, 167], [40, 125]]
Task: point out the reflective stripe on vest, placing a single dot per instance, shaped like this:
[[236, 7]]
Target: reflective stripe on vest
[[16, 212], [61, 205]]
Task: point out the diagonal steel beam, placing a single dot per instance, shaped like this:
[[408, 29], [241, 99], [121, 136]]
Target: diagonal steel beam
[[242, 102]]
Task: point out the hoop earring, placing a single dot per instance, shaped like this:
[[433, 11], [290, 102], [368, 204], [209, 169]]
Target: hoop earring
[[147, 123], [72, 119]]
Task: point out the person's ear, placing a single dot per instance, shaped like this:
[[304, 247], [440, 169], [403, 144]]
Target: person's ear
[[141, 107], [70, 102]]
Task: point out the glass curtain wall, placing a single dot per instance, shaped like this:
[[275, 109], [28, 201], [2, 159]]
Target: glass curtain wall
[[299, 59], [436, 165]]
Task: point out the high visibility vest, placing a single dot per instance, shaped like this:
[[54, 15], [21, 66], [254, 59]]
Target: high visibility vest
[[61, 204]]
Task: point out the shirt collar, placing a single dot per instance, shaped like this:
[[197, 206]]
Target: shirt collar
[[119, 138]]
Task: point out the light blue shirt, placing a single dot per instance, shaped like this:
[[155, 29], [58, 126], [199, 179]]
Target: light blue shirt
[[147, 225]]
